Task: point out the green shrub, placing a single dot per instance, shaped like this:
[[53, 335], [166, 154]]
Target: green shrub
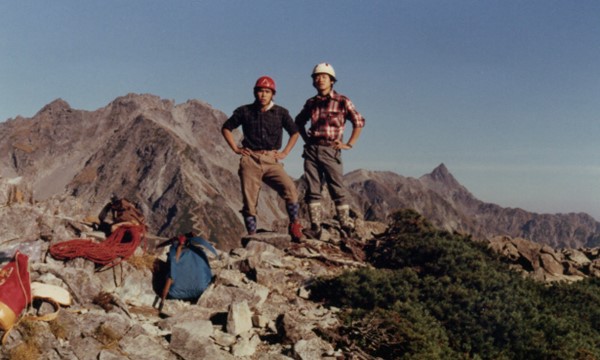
[[433, 294]]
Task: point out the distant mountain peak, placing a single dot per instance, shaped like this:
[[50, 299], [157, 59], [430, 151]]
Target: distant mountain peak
[[55, 106], [442, 176], [442, 170]]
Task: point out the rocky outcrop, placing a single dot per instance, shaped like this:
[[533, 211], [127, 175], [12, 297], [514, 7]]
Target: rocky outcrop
[[543, 263], [257, 306]]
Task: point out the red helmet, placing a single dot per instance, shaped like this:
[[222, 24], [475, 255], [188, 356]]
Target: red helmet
[[265, 82]]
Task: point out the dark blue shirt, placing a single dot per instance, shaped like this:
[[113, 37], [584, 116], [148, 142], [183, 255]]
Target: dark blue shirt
[[262, 130]]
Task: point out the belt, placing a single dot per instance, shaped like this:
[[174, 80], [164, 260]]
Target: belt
[[262, 152], [322, 142]]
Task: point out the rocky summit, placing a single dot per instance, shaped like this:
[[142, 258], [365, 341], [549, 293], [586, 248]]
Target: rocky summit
[[257, 306], [60, 167]]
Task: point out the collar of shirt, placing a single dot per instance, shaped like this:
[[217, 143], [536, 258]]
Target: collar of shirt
[[332, 95], [267, 108]]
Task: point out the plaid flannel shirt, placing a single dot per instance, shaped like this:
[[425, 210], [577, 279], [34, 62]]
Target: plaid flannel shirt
[[328, 115]]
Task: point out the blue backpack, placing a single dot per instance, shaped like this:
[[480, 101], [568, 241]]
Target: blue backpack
[[190, 274]]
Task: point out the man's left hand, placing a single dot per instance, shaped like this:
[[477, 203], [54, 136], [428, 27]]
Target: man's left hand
[[280, 155], [338, 145]]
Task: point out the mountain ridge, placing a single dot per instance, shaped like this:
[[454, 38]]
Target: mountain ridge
[[171, 159]]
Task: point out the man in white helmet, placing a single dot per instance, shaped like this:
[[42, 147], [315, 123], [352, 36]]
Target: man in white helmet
[[262, 124], [327, 113]]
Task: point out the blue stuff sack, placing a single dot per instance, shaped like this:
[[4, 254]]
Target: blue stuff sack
[[191, 274]]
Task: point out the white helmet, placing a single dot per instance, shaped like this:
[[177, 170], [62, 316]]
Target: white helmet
[[324, 68]]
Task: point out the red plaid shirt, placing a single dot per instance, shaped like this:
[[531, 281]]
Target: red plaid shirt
[[328, 115]]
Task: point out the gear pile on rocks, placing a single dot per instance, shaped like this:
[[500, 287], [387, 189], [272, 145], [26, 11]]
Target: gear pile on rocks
[[257, 307]]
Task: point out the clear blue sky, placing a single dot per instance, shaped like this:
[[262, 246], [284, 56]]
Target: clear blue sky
[[505, 93]]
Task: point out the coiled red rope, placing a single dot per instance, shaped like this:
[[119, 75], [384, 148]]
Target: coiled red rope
[[119, 246]]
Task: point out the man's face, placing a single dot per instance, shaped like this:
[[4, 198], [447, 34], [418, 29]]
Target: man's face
[[264, 96], [323, 83]]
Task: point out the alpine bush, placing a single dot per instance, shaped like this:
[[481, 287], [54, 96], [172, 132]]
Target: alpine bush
[[437, 295]]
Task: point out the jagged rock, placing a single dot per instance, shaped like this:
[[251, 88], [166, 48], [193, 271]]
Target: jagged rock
[[239, 318], [278, 240], [220, 297], [542, 262], [550, 265], [191, 327], [109, 355], [191, 339], [245, 346], [592, 253], [86, 348], [295, 328], [577, 257], [264, 254], [224, 339], [274, 279], [314, 348], [197, 347], [259, 321], [144, 347], [172, 307], [273, 357], [594, 268], [572, 269], [303, 293]]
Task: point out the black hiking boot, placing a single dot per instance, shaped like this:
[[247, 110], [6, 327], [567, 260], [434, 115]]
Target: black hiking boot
[[348, 232], [314, 232]]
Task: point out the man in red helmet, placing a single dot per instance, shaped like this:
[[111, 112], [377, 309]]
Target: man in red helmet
[[262, 125], [326, 114]]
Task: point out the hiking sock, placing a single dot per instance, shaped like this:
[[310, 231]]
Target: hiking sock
[[315, 215], [292, 210], [250, 222]]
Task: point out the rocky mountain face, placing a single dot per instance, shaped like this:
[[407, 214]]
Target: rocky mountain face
[[172, 161], [450, 206], [169, 159]]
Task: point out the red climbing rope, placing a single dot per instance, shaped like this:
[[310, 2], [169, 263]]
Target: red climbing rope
[[119, 246]]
